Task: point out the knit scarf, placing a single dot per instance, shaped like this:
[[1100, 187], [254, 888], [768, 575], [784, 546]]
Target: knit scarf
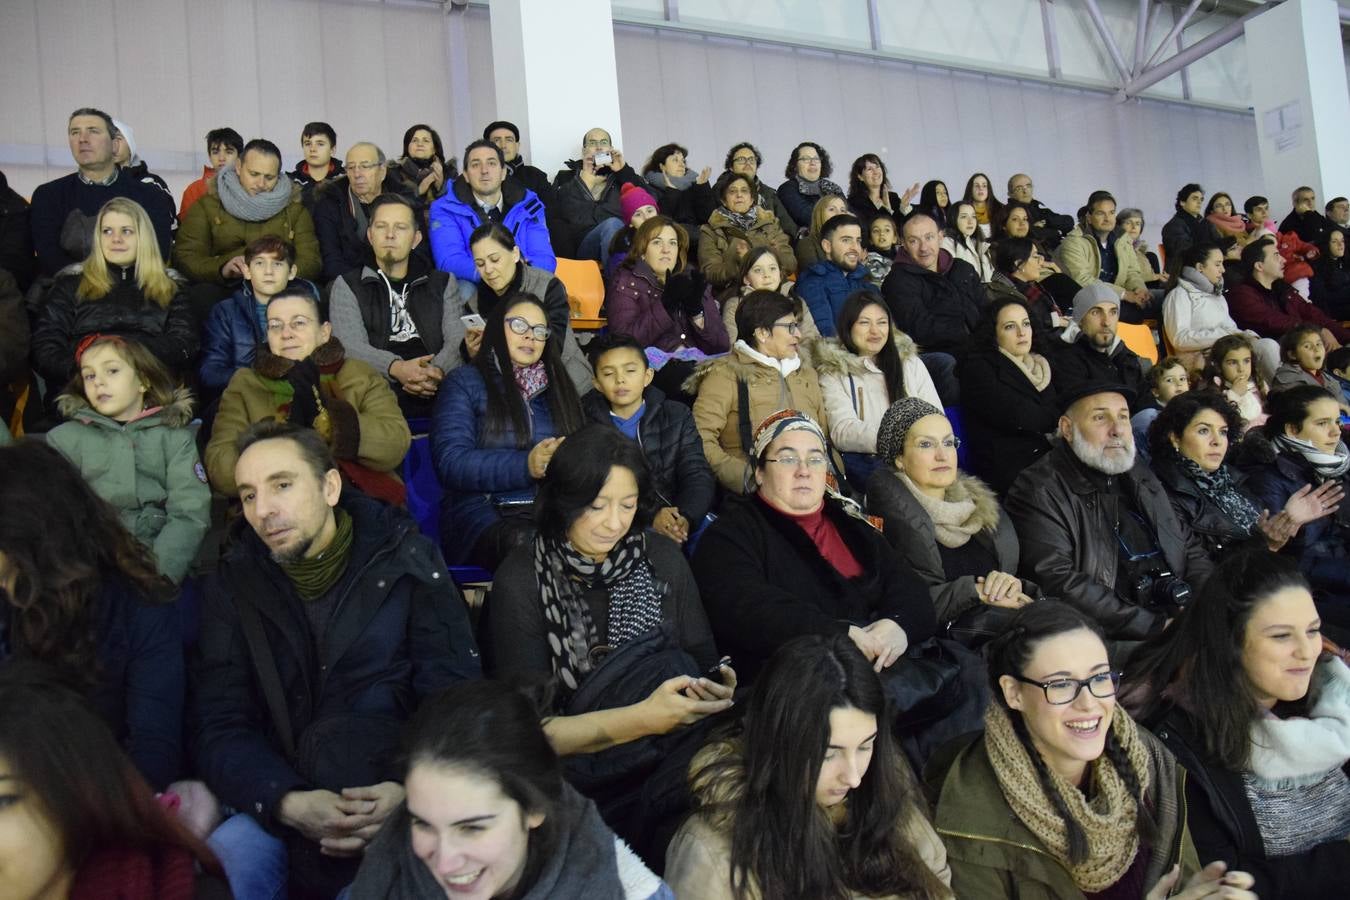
[[1034, 366], [532, 379], [1328, 466], [821, 187], [314, 576], [1218, 487], [1107, 820], [679, 183], [954, 517], [252, 208], [565, 574], [1229, 226], [745, 221], [297, 387], [1192, 276]]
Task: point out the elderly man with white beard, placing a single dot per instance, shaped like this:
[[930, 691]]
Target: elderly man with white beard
[[1096, 527]]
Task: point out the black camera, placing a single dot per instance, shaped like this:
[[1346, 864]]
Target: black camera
[[1163, 591]]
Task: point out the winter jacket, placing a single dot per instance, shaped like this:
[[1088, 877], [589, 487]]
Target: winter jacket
[[1311, 226], [210, 237], [824, 287], [1066, 519], [1195, 314], [1216, 532], [548, 288], [148, 470], [763, 582], [698, 861], [16, 236], [1007, 421], [308, 186], [994, 856], [717, 252], [343, 244], [937, 309], [168, 332], [718, 416], [1080, 256], [456, 214], [368, 429], [1330, 287], [531, 178], [1037, 298], [689, 206], [855, 392], [479, 470], [232, 334], [14, 335], [1224, 827], [399, 632], [634, 302], [768, 199], [1289, 375], [673, 449], [63, 212], [977, 259], [1272, 311], [909, 529], [358, 305], [860, 204], [578, 210], [194, 192], [1182, 232], [1078, 363], [799, 205], [1056, 226]]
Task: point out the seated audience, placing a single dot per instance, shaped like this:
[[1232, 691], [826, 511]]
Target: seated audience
[[127, 432], [1266, 304], [1330, 285], [1010, 404], [964, 240], [495, 427], [868, 367], [1014, 223], [79, 820], [760, 272], [587, 214], [1095, 524], [532, 178], [1230, 371], [1168, 379], [1304, 220], [883, 236], [827, 284], [737, 391], [793, 559], [1195, 313], [303, 376], [737, 227], [223, 147], [934, 297], [681, 194], [488, 813], [1021, 272], [808, 250], [636, 206], [932, 511], [1245, 698], [1093, 353], [1063, 795], [15, 374], [121, 289], [1231, 227], [1188, 227], [244, 202], [988, 209], [481, 195], [328, 620], [1048, 227], [423, 170], [1303, 356], [1096, 251], [341, 210], [1257, 210], [1131, 224], [814, 754], [745, 159], [869, 190], [683, 484], [1338, 213], [934, 200], [401, 317], [318, 141], [64, 210], [808, 179]]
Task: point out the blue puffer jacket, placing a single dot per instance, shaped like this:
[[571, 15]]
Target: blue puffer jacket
[[824, 287], [478, 470], [455, 215], [232, 334]]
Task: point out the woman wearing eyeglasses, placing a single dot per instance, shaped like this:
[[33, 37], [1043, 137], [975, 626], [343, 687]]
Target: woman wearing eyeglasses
[[1063, 795], [495, 427]]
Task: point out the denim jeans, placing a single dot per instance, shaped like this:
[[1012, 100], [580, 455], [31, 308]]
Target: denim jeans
[[595, 245], [254, 861]]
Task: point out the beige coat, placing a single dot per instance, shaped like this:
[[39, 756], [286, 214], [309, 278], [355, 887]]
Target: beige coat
[[717, 242], [1081, 259]]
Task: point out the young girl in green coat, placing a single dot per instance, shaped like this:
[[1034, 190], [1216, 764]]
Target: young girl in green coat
[[127, 434]]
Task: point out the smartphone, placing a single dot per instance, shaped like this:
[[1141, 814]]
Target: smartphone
[[473, 320], [715, 673], [603, 158]]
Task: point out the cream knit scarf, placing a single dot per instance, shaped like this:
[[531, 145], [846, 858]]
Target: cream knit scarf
[[1108, 819], [1033, 366], [954, 517]]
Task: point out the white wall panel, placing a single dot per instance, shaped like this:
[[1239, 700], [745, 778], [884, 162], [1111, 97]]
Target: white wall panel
[[1006, 35]]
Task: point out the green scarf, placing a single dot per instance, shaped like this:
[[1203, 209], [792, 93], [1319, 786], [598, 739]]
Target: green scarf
[[314, 576]]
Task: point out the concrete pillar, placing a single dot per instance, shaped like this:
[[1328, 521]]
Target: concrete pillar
[[555, 75], [1299, 95]]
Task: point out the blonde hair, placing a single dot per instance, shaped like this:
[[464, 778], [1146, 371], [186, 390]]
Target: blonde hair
[[151, 275], [818, 217], [159, 384]]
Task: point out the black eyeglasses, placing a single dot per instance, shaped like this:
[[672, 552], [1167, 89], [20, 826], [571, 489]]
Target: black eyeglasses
[[520, 325], [1066, 690]]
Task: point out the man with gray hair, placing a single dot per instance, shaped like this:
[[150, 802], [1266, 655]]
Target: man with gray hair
[[1096, 527], [341, 210]]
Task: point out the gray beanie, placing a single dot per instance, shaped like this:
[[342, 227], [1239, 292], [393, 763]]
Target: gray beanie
[[1095, 294], [897, 422]]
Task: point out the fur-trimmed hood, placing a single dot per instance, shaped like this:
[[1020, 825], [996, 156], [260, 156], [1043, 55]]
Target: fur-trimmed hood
[[175, 414], [329, 354], [968, 487], [717, 780], [829, 357]]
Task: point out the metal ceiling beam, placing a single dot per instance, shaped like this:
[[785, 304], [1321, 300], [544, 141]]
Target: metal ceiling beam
[[1108, 39], [1200, 49], [1177, 26], [1140, 37], [1051, 38]]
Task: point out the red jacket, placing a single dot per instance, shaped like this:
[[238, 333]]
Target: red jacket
[[1270, 313], [195, 191]]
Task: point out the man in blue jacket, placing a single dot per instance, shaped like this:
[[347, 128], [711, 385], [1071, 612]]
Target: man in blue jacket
[[329, 620], [482, 194], [826, 285]]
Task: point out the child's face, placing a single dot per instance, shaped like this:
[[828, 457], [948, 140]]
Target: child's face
[[222, 155], [883, 235], [268, 275], [1237, 367], [1173, 382], [621, 375], [111, 384], [1311, 352]]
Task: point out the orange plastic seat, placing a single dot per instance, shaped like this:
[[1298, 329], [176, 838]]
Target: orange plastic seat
[[585, 286], [1139, 339]]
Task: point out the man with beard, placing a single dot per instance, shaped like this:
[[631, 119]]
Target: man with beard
[[1096, 527], [329, 620], [825, 285], [401, 317], [1090, 351]]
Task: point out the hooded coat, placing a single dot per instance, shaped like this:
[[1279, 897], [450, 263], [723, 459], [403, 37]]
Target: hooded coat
[[1195, 313], [717, 246], [855, 393]]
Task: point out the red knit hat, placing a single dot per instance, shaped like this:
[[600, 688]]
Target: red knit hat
[[631, 199]]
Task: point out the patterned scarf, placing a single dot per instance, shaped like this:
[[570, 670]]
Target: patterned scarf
[[565, 575], [1328, 466], [821, 187], [1219, 488], [745, 221], [1107, 820], [532, 379]]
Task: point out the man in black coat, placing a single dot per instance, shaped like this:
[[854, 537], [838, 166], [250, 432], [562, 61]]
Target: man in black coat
[[1047, 226], [1304, 219], [16, 242], [1091, 352], [327, 623], [934, 298], [586, 215], [341, 210]]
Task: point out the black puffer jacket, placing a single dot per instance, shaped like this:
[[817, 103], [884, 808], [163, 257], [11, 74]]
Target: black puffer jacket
[[577, 211], [673, 449], [937, 309], [16, 238], [168, 332], [1215, 531]]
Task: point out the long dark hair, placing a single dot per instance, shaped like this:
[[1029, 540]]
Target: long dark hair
[[1211, 377], [437, 148], [577, 473], [506, 408], [887, 358], [975, 243], [1201, 654], [1009, 654], [786, 732], [984, 337], [928, 201], [992, 206], [858, 196], [66, 543]]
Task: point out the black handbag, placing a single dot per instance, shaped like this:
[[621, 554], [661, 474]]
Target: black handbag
[[979, 625], [925, 683]]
